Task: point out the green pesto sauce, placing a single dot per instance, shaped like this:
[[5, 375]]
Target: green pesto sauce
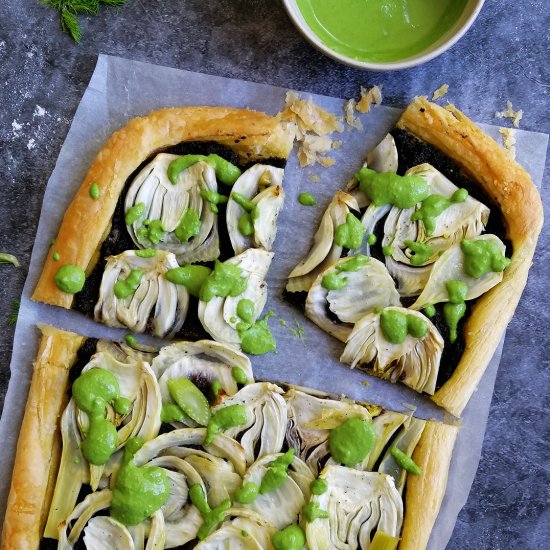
[[405, 461], [55, 256], [126, 287], [188, 226], [239, 375], [429, 310], [138, 492], [307, 199], [223, 419], [246, 221], [70, 279], [389, 188], [256, 339], [396, 325], [245, 225], [312, 511], [131, 340], [226, 172], [482, 257], [319, 486], [216, 388], [211, 516], [350, 233], [246, 310], [290, 538], [422, 252], [146, 253], [277, 472], [355, 263], [134, 213], [214, 198], [192, 277], [92, 391], [455, 309], [190, 399], [434, 205], [94, 191], [387, 250], [170, 412], [333, 281], [371, 239], [244, 203], [225, 280], [352, 441], [247, 494], [378, 30], [152, 230]]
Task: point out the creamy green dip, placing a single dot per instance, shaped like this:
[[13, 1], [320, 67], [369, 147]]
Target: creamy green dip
[[380, 30]]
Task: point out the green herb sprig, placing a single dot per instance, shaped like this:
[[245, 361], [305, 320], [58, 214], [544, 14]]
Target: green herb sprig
[[69, 10], [14, 313]]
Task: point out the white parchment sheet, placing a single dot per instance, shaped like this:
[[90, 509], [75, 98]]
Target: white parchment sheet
[[121, 89]]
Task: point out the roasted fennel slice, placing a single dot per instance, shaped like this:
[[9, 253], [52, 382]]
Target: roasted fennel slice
[[359, 504], [175, 217], [414, 361], [149, 301], [368, 287], [460, 220], [324, 251], [219, 315], [262, 186]]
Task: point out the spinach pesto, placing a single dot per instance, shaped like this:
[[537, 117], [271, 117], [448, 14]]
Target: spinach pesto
[[226, 172], [70, 279]]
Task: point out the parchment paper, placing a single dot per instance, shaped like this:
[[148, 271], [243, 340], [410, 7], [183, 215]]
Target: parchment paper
[[121, 89]]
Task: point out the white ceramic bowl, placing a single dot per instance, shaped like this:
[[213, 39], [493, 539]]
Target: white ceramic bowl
[[471, 11]]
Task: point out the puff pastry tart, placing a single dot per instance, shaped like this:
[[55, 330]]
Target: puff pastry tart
[[180, 447], [418, 265], [179, 206]]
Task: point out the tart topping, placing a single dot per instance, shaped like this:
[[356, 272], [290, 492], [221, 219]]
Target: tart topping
[[70, 279], [351, 442]]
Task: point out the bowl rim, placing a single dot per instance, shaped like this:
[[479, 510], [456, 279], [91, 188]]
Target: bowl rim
[[295, 16]]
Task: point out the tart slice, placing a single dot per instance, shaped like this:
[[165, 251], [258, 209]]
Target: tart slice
[[180, 446], [419, 263]]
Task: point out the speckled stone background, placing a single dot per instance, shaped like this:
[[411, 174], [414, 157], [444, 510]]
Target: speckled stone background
[[504, 56]]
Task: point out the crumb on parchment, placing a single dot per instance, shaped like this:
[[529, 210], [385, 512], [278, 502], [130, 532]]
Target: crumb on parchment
[[440, 92], [314, 178], [369, 97], [509, 141], [351, 120], [510, 113]]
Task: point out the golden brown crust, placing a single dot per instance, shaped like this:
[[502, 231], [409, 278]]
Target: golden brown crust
[[424, 494], [38, 447], [512, 190], [252, 135]]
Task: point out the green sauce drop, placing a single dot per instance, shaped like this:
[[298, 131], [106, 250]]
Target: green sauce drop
[[355, 263], [290, 538], [277, 472], [153, 231], [389, 188], [70, 279], [434, 205], [239, 375], [406, 462], [482, 257], [214, 198], [350, 233], [55, 256], [319, 486], [216, 388], [429, 310], [387, 250], [422, 252], [246, 310], [307, 199], [138, 492], [245, 225], [223, 419], [134, 213], [188, 226], [333, 281], [416, 326], [94, 191], [256, 339], [131, 340], [211, 516], [351, 442], [312, 511], [146, 253], [396, 325], [371, 239], [192, 277], [126, 287], [455, 309], [226, 172], [247, 494], [225, 280]]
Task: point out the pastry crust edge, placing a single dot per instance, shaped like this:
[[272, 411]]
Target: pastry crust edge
[[39, 444], [512, 190], [424, 494], [252, 135]]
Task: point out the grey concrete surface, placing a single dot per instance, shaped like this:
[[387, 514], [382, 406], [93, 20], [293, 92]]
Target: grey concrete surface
[[504, 56]]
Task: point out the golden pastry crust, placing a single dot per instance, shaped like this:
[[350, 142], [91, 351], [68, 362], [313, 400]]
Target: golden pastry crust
[[252, 135], [512, 190], [424, 494], [39, 444]]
